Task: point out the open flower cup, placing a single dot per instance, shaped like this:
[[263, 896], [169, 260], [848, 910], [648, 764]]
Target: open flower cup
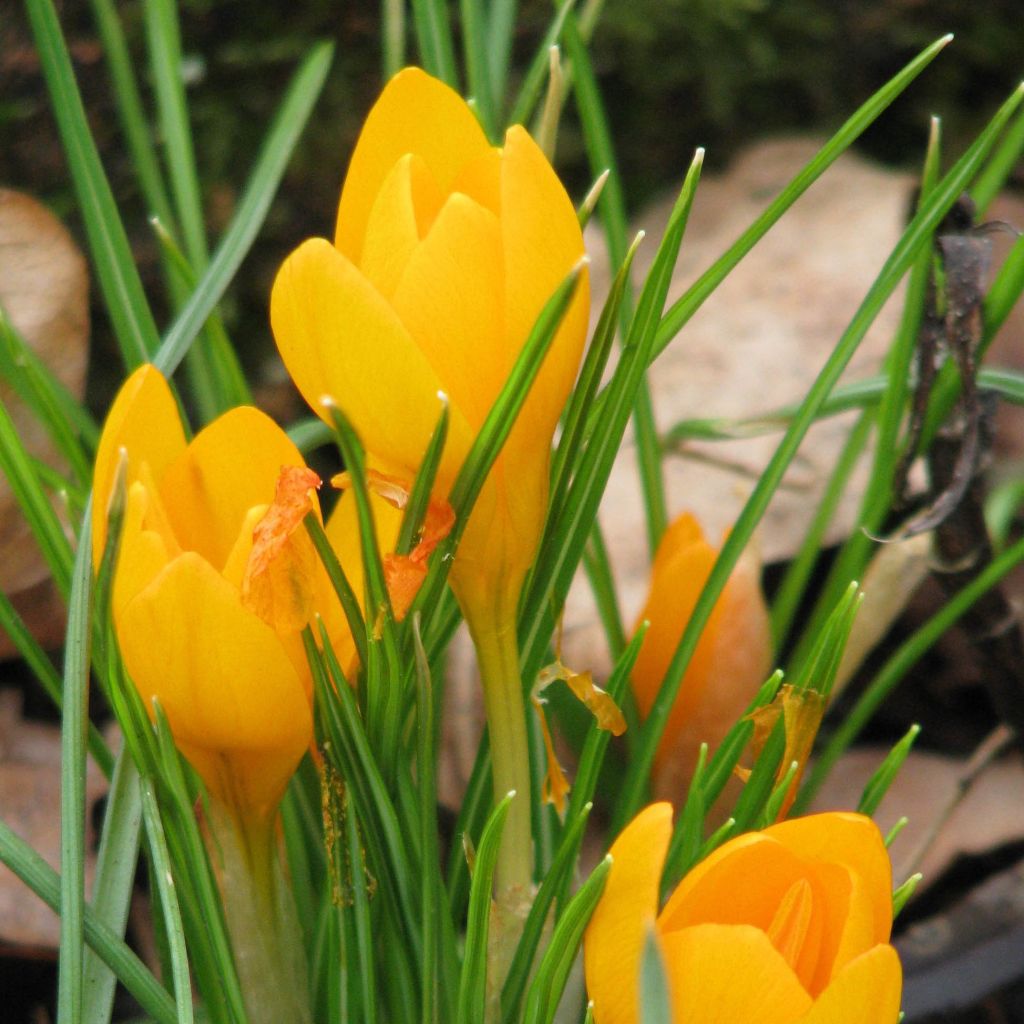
[[786, 926]]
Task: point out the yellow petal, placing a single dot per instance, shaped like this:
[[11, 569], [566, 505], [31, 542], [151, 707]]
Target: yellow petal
[[853, 841], [730, 974], [867, 990], [229, 690], [402, 214], [143, 420], [615, 936], [144, 551], [451, 300], [849, 922], [542, 242], [338, 337], [742, 882], [415, 114], [230, 466], [480, 179]]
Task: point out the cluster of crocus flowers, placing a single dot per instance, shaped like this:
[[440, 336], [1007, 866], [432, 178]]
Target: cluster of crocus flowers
[[790, 925], [215, 580], [732, 659], [445, 252]]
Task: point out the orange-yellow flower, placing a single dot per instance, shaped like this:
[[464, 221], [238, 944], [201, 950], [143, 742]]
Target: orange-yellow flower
[[786, 926], [215, 580], [445, 252], [732, 658]]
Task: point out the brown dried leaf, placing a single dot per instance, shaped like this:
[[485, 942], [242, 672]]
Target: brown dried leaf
[[30, 805], [990, 815], [44, 289]]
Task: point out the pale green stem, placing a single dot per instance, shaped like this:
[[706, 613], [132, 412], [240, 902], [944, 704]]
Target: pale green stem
[[498, 656], [261, 917]]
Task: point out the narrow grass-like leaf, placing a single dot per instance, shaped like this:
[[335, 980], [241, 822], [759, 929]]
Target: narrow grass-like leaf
[[342, 587], [878, 494], [555, 884], [916, 235], [385, 704], [730, 750], [119, 281], [773, 807], [12, 624], [724, 831], [798, 575], [423, 485], [337, 710], [600, 150], [688, 304], [596, 744], [474, 53], [74, 721], [758, 788], [273, 157], [431, 896], [166, 888], [999, 168], [215, 377], [216, 380], [501, 26], [562, 547], [130, 970], [903, 894], [64, 419], [434, 36], [688, 833], [360, 911], [598, 568], [473, 982], [900, 662], [393, 36], [574, 421], [16, 465], [131, 114], [879, 783], [533, 80], [309, 434], [548, 983], [655, 1004], [113, 882]]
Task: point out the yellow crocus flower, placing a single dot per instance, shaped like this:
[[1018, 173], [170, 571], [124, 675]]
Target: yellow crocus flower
[[215, 580], [445, 252], [786, 926]]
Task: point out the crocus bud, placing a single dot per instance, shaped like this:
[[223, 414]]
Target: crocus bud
[[731, 661]]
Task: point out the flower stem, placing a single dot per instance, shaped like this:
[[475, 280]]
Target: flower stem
[[261, 917], [498, 656]]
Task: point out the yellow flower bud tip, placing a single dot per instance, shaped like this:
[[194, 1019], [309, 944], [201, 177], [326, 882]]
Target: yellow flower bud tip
[[214, 580], [790, 925], [732, 658], [445, 252]]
